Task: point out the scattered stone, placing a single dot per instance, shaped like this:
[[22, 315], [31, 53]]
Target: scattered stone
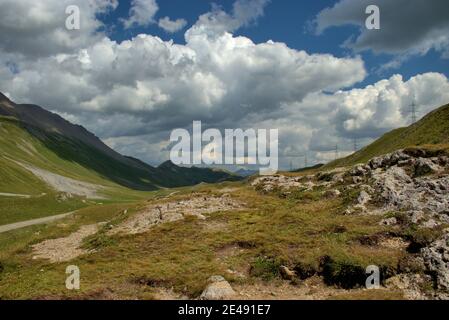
[[357, 179], [64, 196], [306, 183], [64, 249], [389, 221], [416, 216], [360, 170], [270, 183], [330, 194], [363, 198], [430, 224], [410, 285], [196, 206]]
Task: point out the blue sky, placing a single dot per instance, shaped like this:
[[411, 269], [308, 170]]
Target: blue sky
[[323, 80], [283, 21]]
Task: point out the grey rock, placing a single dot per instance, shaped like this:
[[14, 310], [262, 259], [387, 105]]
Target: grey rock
[[363, 198], [430, 224], [360, 170], [357, 180], [389, 222], [217, 289], [416, 216], [426, 166], [330, 194], [376, 163], [436, 259]]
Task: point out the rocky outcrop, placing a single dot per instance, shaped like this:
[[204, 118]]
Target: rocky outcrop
[[436, 259], [417, 185], [411, 183], [306, 183], [400, 182], [270, 183]]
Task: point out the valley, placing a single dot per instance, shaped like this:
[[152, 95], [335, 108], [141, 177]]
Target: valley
[[309, 234]]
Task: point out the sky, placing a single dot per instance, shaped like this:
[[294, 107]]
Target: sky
[[136, 70]]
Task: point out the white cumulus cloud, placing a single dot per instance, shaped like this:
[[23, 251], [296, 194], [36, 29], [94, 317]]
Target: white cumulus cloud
[[172, 26], [133, 93], [141, 13]]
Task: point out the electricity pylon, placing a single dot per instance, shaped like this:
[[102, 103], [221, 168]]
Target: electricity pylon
[[413, 111]]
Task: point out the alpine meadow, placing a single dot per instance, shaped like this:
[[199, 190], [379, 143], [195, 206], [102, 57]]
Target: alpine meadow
[[252, 152]]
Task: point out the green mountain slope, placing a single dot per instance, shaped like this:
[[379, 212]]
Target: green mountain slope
[[433, 129], [34, 136]]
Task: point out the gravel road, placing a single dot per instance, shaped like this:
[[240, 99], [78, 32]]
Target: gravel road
[[23, 224]]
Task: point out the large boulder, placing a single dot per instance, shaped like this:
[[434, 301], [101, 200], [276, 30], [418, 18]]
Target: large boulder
[[217, 289]]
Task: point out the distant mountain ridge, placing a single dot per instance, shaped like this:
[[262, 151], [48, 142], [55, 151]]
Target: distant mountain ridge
[[51, 122], [75, 145], [246, 172]]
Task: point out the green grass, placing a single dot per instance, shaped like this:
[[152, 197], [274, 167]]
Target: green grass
[[432, 130], [302, 230], [72, 158], [18, 144], [18, 209], [183, 255], [125, 181]]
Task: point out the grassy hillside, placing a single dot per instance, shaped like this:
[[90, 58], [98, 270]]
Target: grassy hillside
[[76, 145], [180, 256], [33, 137], [433, 129]]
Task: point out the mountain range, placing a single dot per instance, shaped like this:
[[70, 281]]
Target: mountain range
[[32, 137]]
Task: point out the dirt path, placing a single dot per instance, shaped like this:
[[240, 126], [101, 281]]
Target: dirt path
[[23, 224], [3, 194], [66, 248]]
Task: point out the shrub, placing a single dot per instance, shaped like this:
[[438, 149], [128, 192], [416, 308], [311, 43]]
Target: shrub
[[421, 237], [265, 268], [97, 241], [344, 274], [305, 270]]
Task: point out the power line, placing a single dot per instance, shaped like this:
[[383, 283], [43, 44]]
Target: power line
[[298, 157], [413, 111], [356, 147], [336, 151]]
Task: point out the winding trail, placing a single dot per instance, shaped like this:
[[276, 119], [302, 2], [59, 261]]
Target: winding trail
[[23, 224]]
